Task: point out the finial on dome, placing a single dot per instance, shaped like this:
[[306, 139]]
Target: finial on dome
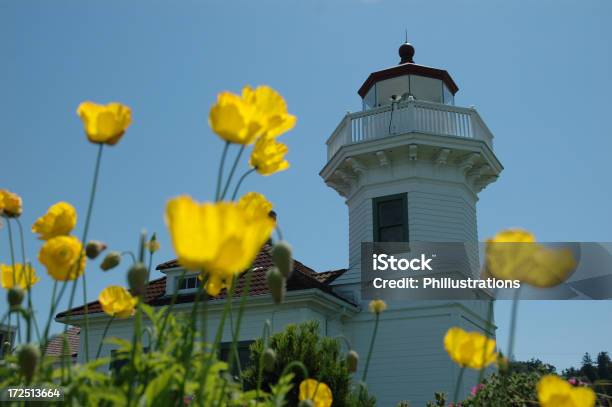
[[406, 53]]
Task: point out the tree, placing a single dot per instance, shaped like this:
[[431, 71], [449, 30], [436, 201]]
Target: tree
[[532, 365], [604, 366], [588, 369]]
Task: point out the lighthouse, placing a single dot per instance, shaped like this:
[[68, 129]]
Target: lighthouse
[[410, 166]]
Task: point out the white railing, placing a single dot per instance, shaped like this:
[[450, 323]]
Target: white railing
[[409, 117]]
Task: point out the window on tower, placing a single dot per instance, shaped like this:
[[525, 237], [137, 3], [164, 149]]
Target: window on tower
[[390, 218]]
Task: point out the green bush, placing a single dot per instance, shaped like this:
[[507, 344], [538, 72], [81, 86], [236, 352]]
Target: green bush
[[515, 389], [321, 356]]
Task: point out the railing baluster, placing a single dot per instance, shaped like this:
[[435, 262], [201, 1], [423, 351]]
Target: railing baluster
[[412, 116]]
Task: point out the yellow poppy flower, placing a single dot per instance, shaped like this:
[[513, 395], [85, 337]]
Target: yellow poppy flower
[[23, 277], [377, 306], [60, 256], [117, 301], [317, 392], [59, 220], [255, 204], [268, 156], [514, 255], [469, 349], [104, 124], [553, 391], [10, 204], [219, 239], [257, 112]]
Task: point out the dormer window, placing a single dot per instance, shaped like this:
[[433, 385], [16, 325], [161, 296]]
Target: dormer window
[[188, 282]]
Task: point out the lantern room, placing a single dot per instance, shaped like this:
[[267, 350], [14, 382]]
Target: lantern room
[[407, 81]]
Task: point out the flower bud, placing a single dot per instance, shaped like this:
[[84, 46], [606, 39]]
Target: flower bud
[[94, 248], [377, 306], [352, 361], [28, 356], [269, 360], [153, 244], [306, 403], [14, 297], [276, 284], [137, 278], [281, 257], [111, 260]]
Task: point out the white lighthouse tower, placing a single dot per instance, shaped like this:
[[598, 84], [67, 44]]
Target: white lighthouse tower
[[410, 166]]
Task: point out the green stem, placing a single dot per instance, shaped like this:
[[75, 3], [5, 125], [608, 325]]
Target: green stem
[[220, 173], [135, 344], [188, 342], [28, 271], [149, 273], [295, 363], [279, 233], [236, 331], [367, 365], [51, 312], [266, 333], [458, 385], [161, 336], [129, 252], [345, 339], [36, 329], [12, 249], [229, 295], [239, 183], [108, 324], [232, 171], [513, 317], [92, 196], [484, 349]]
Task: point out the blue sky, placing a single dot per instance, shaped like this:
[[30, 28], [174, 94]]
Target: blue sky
[[538, 72]]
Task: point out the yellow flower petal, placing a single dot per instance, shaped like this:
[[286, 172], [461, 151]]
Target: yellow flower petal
[[318, 392], [268, 156], [22, 277], [104, 124], [242, 119], [553, 391], [514, 255], [255, 204], [219, 239], [59, 220], [469, 349], [117, 301], [60, 256]]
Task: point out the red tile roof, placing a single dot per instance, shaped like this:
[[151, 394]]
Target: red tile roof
[[303, 277], [55, 346]]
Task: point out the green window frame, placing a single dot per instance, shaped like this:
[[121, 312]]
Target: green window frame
[[393, 223]]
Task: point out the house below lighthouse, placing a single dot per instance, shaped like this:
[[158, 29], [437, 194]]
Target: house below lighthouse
[[409, 166]]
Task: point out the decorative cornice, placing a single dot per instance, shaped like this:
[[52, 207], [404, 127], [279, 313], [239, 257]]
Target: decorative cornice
[[356, 165], [383, 159], [442, 156], [342, 188], [468, 162], [412, 152]]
